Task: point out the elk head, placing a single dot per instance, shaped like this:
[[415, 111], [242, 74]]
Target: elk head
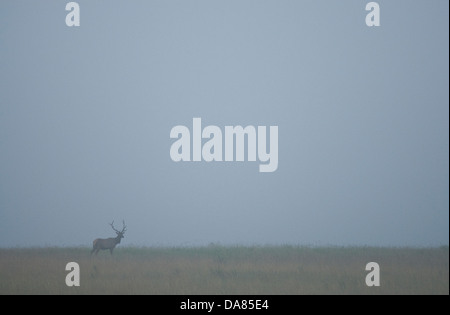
[[119, 233]]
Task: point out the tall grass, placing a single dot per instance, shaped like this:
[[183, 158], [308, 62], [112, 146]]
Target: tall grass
[[226, 270]]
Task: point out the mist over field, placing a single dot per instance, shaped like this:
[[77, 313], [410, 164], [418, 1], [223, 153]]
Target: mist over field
[[362, 114]]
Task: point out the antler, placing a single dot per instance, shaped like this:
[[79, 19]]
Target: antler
[[117, 231], [124, 227], [112, 225]]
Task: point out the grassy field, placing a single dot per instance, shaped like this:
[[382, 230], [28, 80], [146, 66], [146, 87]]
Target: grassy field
[[226, 270]]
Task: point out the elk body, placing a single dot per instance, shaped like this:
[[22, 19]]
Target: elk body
[[108, 243]]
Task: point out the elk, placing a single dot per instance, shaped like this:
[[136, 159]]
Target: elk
[[108, 243]]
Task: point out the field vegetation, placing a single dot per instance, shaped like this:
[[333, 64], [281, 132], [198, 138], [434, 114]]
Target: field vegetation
[[226, 270]]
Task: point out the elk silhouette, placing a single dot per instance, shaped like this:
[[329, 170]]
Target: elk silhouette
[[108, 243]]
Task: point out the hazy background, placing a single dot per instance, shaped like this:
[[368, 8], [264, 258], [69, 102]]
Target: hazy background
[[363, 116]]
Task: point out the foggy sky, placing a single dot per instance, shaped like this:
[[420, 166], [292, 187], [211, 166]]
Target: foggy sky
[[362, 113]]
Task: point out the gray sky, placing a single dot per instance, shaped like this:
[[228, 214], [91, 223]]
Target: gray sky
[[363, 118]]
